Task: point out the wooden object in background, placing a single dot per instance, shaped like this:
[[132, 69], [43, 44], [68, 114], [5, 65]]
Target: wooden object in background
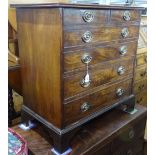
[[59, 96], [140, 83], [114, 133]]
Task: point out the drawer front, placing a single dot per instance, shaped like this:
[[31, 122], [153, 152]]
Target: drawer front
[[84, 16], [83, 35], [140, 73], [126, 16], [140, 86], [141, 98], [98, 75], [74, 59], [141, 59], [77, 109], [131, 149], [130, 134]]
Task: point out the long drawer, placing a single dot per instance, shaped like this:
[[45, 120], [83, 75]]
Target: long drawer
[[99, 75], [76, 58], [77, 109], [82, 35]]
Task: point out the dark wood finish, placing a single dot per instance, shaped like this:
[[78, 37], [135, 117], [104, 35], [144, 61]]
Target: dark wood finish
[[95, 138], [141, 59], [72, 57], [141, 98], [45, 36], [140, 86], [73, 34], [39, 31], [100, 75], [103, 98]]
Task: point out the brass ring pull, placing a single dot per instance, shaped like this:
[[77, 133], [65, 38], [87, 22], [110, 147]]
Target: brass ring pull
[[141, 87], [88, 16], [140, 100], [85, 106], [87, 37], [143, 74], [121, 70], [131, 134], [125, 32], [86, 59], [127, 16], [123, 50], [119, 92]]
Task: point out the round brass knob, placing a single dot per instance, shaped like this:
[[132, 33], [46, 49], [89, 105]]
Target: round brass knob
[[123, 50], [84, 83], [127, 16], [121, 70], [125, 32], [86, 59], [119, 92], [88, 16], [85, 106], [87, 37], [131, 134]]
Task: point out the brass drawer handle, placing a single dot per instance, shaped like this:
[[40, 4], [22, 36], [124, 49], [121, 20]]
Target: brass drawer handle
[[131, 134], [88, 16], [123, 50], [125, 32], [86, 59], [127, 16], [121, 70], [85, 106], [85, 82], [120, 92], [129, 152], [87, 37]]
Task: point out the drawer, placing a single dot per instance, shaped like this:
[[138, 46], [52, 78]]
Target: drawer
[[75, 58], [131, 149], [126, 16], [84, 16], [140, 86], [130, 134], [141, 59], [140, 73], [98, 75], [85, 106], [141, 98], [84, 35]]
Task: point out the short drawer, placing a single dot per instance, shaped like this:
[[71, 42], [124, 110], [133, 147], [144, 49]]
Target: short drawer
[[141, 98], [131, 149], [76, 58], [141, 59], [98, 75], [85, 106], [84, 16], [140, 86], [126, 16], [84, 35], [130, 134], [140, 73]]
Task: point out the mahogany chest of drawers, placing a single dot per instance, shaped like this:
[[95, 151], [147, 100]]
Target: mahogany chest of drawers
[[77, 62]]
